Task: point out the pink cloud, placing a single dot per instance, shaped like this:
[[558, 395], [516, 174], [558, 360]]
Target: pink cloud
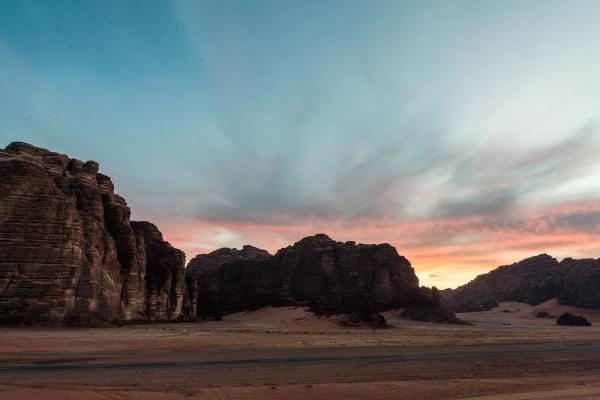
[[453, 249]]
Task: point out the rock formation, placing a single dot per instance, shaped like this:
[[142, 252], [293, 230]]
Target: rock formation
[[317, 272], [543, 314], [69, 253], [204, 263], [165, 276], [580, 283], [214, 291], [533, 281], [372, 320], [431, 311], [436, 315], [67, 245], [572, 320]]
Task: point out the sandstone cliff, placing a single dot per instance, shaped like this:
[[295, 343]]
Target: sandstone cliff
[[204, 263], [533, 281], [318, 272], [67, 246]]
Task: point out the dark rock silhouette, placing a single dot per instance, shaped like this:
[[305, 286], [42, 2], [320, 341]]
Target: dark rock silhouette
[[572, 320], [372, 320], [533, 281], [68, 250], [214, 291], [580, 283], [70, 254], [435, 314], [165, 276], [542, 314], [332, 276], [327, 276], [204, 263]]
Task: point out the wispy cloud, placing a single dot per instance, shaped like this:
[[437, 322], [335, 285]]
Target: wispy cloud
[[465, 133]]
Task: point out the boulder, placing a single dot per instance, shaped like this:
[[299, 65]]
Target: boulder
[[542, 314], [371, 320], [572, 320]]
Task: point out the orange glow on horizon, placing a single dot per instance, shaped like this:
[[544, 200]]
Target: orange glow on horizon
[[445, 252]]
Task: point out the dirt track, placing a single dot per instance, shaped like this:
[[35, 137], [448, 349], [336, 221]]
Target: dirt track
[[261, 356]]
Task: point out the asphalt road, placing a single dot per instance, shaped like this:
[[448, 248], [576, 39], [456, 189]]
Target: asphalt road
[[68, 362], [437, 371]]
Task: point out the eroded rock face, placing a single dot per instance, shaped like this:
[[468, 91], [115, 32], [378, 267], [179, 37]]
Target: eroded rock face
[[204, 263], [533, 281], [333, 276], [318, 272], [580, 283], [213, 291], [67, 245], [165, 277]]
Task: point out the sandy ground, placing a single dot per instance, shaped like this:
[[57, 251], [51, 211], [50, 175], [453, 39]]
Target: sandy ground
[[288, 353]]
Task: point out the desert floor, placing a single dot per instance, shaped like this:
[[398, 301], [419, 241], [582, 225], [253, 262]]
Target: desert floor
[[287, 353]]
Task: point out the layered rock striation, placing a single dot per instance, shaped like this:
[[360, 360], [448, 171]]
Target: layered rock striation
[[533, 281], [67, 245], [205, 263], [317, 272]]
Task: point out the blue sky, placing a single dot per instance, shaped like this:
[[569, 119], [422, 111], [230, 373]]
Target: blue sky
[[463, 132]]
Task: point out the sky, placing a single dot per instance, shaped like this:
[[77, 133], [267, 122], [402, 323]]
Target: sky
[[464, 133]]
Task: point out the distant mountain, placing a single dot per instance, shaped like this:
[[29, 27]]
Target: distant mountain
[[533, 281]]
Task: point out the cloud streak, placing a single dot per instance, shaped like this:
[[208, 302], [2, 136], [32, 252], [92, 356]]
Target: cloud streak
[[453, 248], [464, 133]]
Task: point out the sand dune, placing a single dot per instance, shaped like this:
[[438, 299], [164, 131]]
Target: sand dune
[[554, 309]]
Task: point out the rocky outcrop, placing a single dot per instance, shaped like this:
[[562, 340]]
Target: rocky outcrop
[[332, 276], [238, 284], [165, 276], [580, 283], [543, 314], [372, 320], [204, 263], [67, 245], [533, 281], [572, 320], [318, 272], [436, 315], [431, 311]]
